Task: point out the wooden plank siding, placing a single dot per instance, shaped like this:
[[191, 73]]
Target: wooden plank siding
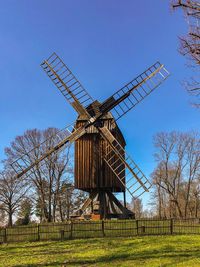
[[91, 171]]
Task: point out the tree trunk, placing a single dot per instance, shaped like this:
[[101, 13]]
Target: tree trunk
[[60, 211], [10, 217], [159, 203], [187, 197], [196, 207], [179, 209]]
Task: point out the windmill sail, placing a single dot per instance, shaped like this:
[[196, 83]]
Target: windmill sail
[[35, 156], [117, 159], [135, 91], [67, 83], [124, 168]]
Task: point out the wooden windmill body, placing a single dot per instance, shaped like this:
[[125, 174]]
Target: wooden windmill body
[[102, 166], [93, 175]]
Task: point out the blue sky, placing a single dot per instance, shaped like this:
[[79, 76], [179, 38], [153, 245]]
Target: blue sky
[[105, 44]]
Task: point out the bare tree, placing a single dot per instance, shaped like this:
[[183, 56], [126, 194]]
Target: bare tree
[[70, 201], [195, 199], [159, 197], [3, 221], [193, 166], [47, 177], [190, 43], [137, 207], [178, 169], [12, 191]]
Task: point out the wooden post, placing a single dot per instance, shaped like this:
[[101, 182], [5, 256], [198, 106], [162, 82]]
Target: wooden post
[[137, 228], [5, 236], [171, 226], [71, 230], [62, 233], [38, 232], [143, 229], [124, 199], [102, 227]]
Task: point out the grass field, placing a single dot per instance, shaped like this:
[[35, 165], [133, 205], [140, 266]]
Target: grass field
[[151, 251]]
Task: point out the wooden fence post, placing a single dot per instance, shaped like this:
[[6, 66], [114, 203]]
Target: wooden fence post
[[5, 236], [171, 226], [62, 233], [143, 229], [38, 232], [137, 228], [102, 227], [71, 230]]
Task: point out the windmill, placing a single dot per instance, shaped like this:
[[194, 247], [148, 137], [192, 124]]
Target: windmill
[[102, 166]]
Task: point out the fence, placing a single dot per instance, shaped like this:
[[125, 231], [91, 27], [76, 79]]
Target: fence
[[108, 228]]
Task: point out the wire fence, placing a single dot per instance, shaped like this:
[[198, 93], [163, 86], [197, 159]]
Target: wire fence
[[103, 228]]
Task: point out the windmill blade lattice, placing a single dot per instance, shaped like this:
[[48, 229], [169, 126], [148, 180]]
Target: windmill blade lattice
[[122, 165], [34, 157], [101, 141], [135, 91], [67, 83]]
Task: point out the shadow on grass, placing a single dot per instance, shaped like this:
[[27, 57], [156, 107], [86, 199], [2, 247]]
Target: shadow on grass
[[56, 263], [113, 259], [28, 245], [131, 251]]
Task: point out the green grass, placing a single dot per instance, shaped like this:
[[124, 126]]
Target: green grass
[[147, 251]]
